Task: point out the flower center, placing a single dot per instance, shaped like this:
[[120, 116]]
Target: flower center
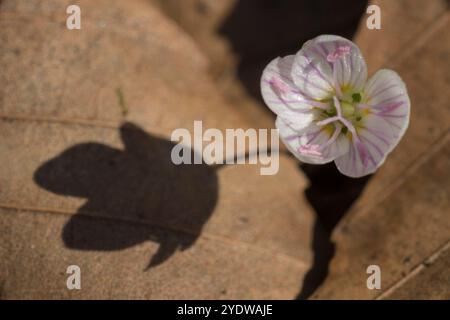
[[348, 110], [343, 113]]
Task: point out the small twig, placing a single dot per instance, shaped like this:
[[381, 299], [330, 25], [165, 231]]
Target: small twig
[[122, 104]]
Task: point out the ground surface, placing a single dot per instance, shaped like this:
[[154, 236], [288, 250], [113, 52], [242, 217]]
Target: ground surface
[[85, 124]]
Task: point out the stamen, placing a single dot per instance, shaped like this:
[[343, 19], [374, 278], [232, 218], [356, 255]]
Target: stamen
[[310, 149], [340, 52], [278, 84]]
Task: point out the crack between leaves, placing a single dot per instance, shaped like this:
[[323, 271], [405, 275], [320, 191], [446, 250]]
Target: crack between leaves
[[415, 271]]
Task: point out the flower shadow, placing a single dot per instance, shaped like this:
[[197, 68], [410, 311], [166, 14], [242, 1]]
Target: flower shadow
[[133, 195], [331, 194]]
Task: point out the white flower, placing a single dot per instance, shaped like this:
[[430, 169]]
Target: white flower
[[328, 111]]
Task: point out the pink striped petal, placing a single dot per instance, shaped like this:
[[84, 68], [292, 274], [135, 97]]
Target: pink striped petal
[[310, 145], [386, 95], [369, 150], [328, 64], [278, 89], [298, 121]]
